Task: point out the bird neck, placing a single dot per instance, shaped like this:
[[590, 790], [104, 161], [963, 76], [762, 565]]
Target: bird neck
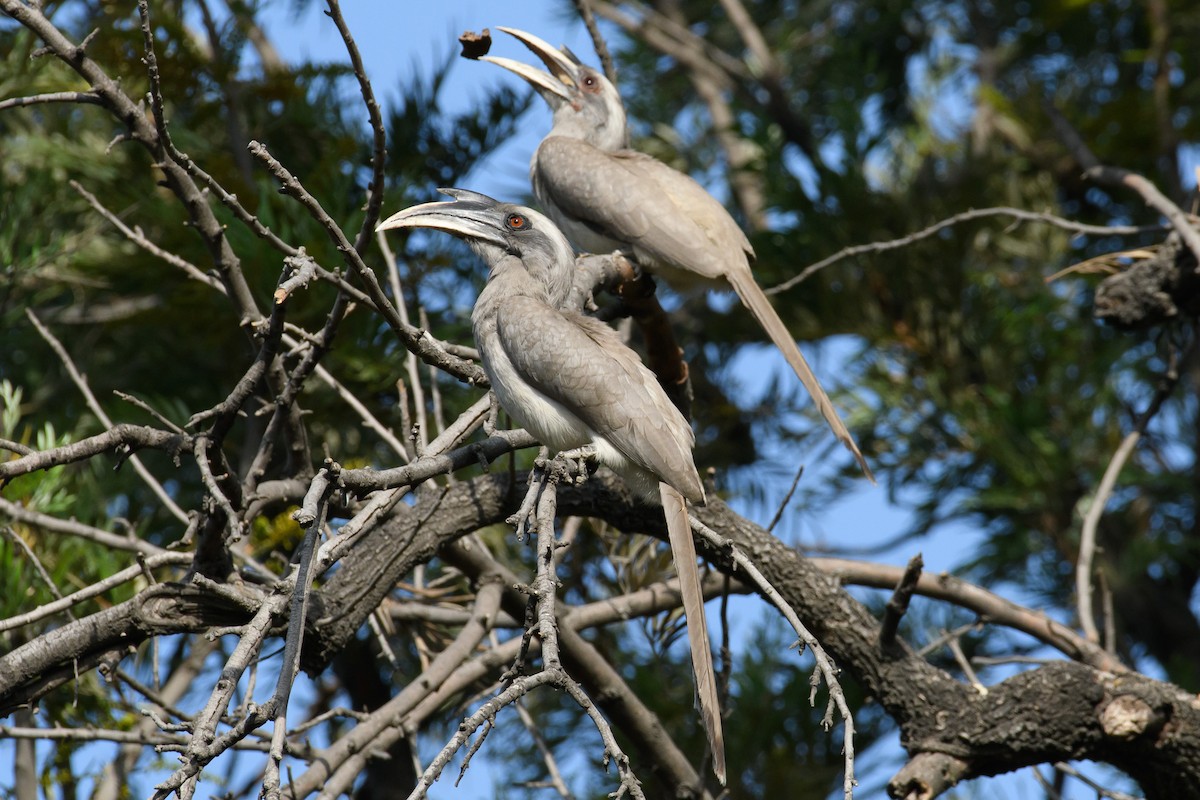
[[513, 277], [606, 132]]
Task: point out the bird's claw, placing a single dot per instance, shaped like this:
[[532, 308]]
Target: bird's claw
[[573, 466]]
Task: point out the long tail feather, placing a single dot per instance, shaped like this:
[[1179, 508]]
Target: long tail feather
[[683, 549], [754, 299]]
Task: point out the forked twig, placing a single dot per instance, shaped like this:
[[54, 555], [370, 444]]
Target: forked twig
[[825, 667]]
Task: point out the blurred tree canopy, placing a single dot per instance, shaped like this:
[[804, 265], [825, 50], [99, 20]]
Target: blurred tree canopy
[[970, 361]]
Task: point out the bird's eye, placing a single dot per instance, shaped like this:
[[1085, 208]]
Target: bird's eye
[[590, 82], [516, 222]]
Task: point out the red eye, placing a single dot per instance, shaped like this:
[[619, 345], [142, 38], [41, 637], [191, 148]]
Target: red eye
[[589, 81], [516, 222]]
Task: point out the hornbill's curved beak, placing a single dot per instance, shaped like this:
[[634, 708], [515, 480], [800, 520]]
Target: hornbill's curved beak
[[555, 86], [470, 215]]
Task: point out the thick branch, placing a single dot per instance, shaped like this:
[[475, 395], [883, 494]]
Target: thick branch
[[57, 656], [133, 437]]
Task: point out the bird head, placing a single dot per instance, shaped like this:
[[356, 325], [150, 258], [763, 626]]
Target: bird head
[[585, 103], [498, 232]]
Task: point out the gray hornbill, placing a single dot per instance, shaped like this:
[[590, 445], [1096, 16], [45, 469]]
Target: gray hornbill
[[571, 382], [608, 197]]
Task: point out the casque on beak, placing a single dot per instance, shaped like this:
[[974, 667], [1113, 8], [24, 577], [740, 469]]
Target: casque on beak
[[557, 85], [470, 215]]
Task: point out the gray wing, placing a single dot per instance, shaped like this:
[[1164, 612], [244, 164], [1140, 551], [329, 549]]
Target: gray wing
[[659, 211], [582, 364]]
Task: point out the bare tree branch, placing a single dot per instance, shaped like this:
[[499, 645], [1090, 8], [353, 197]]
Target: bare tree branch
[[118, 437], [51, 97], [81, 382], [1091, 520], [966, 216]]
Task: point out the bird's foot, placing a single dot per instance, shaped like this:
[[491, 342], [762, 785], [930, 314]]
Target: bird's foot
[[627, 265], [573, 466]]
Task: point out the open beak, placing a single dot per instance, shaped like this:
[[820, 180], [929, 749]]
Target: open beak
[[554, 86], [469, 215]]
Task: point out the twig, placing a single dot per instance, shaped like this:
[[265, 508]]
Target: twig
[[675, 40], [410, 362], [526, 510], [136, 236], [496, 445], [612, 751], [1115, 176], [142, 404], [992, 661], [312, 519], [520, 687], [1101, 791], [545, 583], [13, 537], [412, 338], [94, 590], [204, 745], [642, 726], [325, 716], [1123, 178], [589, 20], [946, 636], [545, 592], [381, 639], [303, 269], [339, 765], [227, 199], [161, 741], [897, 606], [825, 666], [787, 498], [200, 447], [370, 514], [81, 383], [966, 216], [16, 447], [378, 132], [987, 605], [285, 411], [539, 741], [222, 67], [435, 392], [227, 261], [955, 645], [73, 528], [156, 697], [51, 97], [1109, 612], [20, 542], [1091, 521], [223, 413], [401, 479]]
